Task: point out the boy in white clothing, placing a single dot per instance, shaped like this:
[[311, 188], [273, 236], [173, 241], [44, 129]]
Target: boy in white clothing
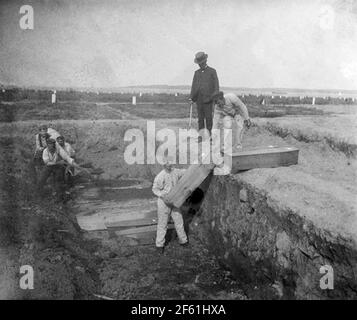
[[162, 185]]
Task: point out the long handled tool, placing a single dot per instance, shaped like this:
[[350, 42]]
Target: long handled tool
[[189, 125]]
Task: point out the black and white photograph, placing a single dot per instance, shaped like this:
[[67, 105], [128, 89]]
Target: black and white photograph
[[201, 152]]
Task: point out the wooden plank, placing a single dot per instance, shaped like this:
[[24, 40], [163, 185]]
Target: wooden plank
[[130, 216], [91, 223], [132, 223], [144, 235], [264, 158], [139, 230]]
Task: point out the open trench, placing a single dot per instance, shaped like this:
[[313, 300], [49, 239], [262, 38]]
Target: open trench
[[131, 267], [92, 263], [261, 234]]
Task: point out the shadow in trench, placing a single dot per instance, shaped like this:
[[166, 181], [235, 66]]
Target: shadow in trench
[[194, 201]]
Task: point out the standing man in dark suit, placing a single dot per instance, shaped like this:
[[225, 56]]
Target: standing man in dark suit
[[204, 85]]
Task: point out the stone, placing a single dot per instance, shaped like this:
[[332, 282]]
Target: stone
[[243, 196]]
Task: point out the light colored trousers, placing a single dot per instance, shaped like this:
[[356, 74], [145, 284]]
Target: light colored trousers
[[228, 140], [163, 215]]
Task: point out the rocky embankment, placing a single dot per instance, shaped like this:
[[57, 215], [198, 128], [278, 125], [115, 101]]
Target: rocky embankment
[[275, 228]]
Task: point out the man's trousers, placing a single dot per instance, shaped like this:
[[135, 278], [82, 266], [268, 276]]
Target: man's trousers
[[205, 115], [57, 171], [163, 214], [228, 143]]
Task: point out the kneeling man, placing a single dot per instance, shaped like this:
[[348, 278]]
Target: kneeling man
[[163, 183]]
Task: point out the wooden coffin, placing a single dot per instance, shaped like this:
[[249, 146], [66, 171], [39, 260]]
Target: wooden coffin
[[269, 157], [193, 177], [258, 157]]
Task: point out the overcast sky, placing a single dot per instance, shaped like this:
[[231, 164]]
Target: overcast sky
[[256, 43]]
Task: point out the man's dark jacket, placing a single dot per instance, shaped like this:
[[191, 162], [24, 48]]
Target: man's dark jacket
[[204, 84]]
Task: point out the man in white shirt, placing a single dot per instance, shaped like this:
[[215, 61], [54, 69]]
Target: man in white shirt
[[162, 185], [54, 159], [41, 142], [233, 114]]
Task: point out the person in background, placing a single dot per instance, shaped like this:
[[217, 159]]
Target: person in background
[[204, 84], [65, 146], [162, 185], [54, 159], [69, 170], [40, 139], [41, 144], [233, 114]]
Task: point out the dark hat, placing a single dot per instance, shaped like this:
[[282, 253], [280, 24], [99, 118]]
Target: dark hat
[[51, 141], [218, 95], [200, 57]]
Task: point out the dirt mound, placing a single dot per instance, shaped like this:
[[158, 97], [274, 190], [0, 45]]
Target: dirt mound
[[339, 131]]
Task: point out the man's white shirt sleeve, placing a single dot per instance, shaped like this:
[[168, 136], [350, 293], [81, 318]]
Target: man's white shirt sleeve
[[158, 185]]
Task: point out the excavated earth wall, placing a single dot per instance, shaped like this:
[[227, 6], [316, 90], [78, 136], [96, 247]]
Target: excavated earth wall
[[275, 244]]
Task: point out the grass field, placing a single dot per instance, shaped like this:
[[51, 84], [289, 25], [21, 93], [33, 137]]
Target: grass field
[[39, 110]]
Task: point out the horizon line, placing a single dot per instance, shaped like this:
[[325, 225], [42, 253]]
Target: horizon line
[[178, 86]]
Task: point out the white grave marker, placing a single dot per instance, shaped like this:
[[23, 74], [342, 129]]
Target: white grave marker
[[53, 97]]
